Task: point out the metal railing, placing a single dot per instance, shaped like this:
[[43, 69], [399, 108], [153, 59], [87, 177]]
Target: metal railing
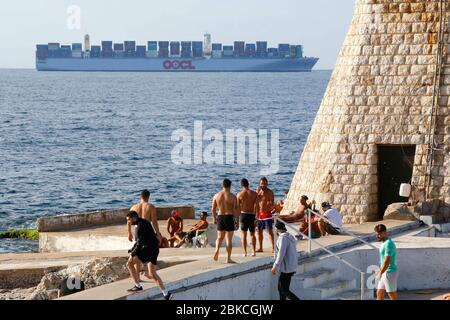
[[310, 240]]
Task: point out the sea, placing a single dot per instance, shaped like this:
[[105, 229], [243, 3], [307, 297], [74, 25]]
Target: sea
[[77, 142]]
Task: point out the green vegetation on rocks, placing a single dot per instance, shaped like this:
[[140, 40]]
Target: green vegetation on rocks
[[31, 234]]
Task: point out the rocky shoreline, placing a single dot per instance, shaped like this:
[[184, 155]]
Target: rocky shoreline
[[93, 273]]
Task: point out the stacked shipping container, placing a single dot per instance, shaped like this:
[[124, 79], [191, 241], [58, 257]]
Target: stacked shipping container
[[107, 49], [77, 50], [261, 49], [42, 51], [53, 50], [250, 50], [186, 49], [119, 49], [175, 49], [197, 49], [164, 49], [239, 49], [152, 49], [228, 51], [283, 50], [141, 51], [96, 51], [216, 50], [130, 48]]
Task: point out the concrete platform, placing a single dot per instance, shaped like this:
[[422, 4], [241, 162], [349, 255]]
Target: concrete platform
[[198, 264], [97, 238], [107, 238], [205, 270], [12, 261]]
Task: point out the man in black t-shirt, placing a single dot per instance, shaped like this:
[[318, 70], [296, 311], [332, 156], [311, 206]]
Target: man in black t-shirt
[[145, 250]]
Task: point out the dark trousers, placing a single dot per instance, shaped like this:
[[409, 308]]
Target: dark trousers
[[283, 287]]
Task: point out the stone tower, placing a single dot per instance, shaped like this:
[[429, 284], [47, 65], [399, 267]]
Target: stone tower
[[384, 118]]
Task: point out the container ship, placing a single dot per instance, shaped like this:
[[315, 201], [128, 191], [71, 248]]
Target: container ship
[[173, 56]]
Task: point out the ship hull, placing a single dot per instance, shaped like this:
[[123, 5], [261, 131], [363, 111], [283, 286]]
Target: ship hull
[[177, 64]]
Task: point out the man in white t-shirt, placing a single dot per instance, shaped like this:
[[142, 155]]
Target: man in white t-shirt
[[332, 223]]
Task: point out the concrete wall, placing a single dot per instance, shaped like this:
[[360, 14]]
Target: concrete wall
[[424, 268], [419, 268], [87, 241], [67, 242], [103, 218]]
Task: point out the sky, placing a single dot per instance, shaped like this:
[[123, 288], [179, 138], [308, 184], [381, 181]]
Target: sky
[[319, 25]]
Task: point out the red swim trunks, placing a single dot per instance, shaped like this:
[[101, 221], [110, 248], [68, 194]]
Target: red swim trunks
[[264, 215]]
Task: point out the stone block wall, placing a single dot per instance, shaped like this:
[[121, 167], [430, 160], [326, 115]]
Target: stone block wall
[[380, 93]]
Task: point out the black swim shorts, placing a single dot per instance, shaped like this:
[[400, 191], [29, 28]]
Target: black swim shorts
[[248, 222], [225, 222]]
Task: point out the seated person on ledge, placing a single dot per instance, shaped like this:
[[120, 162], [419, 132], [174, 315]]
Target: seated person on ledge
[[184, 237], [315, 230], [299, 214], [174, 226], [332, 223]]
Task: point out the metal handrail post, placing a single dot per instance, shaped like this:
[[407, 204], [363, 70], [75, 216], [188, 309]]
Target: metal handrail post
[[309, 232], [363, 280]]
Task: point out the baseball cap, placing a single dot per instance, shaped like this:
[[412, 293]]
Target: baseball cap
[[326, 204], [280, 225]]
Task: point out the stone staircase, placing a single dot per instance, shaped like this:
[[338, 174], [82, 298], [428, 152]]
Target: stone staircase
[[322, 283]]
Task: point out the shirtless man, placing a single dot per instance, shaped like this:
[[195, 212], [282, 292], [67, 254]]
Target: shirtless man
[[265, 205], [247, 207], [226, 203], [299, 213], [145, 211], [202, 224]]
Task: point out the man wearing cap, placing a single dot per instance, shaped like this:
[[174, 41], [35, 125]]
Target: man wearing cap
[[332, 221], [174, 226], [286, 261]]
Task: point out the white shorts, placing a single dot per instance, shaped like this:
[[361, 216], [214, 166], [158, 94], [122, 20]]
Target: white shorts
[[388, 282]]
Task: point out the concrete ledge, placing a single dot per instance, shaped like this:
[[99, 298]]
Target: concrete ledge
[[103, 218]]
